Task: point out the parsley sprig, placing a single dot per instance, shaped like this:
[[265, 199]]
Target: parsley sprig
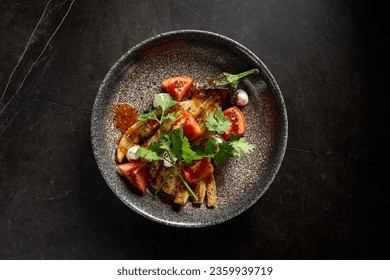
[[221, 151], [163, 101], [219, 122]]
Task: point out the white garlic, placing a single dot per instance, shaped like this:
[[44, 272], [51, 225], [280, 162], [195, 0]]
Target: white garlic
[[167, 160], [240, 98], [218, 139], [130, 155]]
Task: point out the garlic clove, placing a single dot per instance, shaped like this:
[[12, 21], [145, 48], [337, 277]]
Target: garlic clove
[[131, 153], [240, 98], [167, 160]]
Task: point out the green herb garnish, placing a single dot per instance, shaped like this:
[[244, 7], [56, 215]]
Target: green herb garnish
[[152, 153], [222, 152], [164, 101], [239, 146], [219, 122], [179, 151]]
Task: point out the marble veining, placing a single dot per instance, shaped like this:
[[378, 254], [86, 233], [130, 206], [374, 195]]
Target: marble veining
[[44, 17]]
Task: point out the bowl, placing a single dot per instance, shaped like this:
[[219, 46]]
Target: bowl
[[134, 79]]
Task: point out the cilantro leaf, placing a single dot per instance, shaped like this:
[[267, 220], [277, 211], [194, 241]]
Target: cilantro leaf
[[181, 147], [178, 146], [218, 123], [177, 142], [165, 101], [240, 146], [150, 154], [224, 153], [188, 154], [148, 116], [155, 147], [166, 142], [235, 147], [169, 116], [211, 145], [209, 148]]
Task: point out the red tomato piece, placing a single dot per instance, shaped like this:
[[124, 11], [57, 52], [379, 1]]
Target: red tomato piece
[[190, 126], [236, 117], [136, 173], [177, 86], [198, 170]]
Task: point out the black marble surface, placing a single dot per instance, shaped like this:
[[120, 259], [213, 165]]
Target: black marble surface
[[329, 199]]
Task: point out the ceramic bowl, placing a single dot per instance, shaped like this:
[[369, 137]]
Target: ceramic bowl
[[134, 79]]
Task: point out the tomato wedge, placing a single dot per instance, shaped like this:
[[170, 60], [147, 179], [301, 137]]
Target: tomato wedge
[[136, 173], [191, 128], [236, 117], [177, 86], [198, 170]]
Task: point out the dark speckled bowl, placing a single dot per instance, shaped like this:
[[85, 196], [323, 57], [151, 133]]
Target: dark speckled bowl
[[137, 76]]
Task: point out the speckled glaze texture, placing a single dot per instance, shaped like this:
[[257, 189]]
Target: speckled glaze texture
[[137, 76]]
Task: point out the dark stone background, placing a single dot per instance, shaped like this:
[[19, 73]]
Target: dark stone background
[[329, 199]]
